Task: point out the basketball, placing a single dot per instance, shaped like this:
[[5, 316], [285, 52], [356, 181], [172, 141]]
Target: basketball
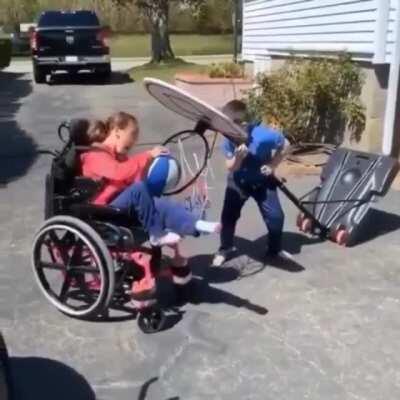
[[164, 175]]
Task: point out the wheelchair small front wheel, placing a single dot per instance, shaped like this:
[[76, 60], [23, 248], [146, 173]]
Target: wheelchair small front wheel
[[151, 320], [73, 267]]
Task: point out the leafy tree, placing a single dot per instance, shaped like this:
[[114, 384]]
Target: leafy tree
[[215, 16], [14, 12], [183, 15], [157, 14]]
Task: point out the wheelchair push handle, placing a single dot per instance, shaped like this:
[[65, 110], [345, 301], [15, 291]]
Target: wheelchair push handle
[[63, 129]]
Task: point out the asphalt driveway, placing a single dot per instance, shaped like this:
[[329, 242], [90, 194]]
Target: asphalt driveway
[[325, 328]]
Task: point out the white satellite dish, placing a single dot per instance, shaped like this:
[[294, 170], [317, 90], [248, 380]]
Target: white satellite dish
[[188, 106]]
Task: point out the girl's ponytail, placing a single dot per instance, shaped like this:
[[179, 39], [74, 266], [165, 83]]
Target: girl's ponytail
[[96, 133]]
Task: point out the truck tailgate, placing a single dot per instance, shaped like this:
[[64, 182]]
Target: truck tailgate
[[70, 41]]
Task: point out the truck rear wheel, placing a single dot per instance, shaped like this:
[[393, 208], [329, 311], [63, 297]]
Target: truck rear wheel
[[39, 74], [104, 73]]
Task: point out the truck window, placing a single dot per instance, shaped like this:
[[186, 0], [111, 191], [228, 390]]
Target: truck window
[[58, 18]]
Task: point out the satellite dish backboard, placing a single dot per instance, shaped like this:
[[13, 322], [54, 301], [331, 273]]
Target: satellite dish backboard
[[188, 106]]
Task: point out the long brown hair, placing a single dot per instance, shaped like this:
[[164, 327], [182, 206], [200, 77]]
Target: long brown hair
[[120, 120], [98, 131]]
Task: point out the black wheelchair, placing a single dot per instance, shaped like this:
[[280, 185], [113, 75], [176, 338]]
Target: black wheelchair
[[88, 257]]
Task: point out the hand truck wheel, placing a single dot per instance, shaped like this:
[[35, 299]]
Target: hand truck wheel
[[341, 237], [151, 320], [304, 223]]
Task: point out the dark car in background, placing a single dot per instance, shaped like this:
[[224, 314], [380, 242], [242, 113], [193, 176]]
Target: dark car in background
[[20, 44], [70, 41], [20, 39]]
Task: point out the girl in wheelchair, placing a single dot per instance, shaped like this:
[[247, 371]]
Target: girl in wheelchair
[[136, 184]]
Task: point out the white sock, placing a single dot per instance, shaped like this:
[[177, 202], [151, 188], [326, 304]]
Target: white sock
[[168, 239], [207, 227]]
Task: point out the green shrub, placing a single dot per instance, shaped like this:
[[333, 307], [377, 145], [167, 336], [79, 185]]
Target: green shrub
[[312, 100], [5, 52], [226, 70]]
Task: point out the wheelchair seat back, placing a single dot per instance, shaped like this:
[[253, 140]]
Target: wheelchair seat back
[[64, 186]]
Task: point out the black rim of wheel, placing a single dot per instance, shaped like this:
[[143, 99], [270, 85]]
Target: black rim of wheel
[[76, 258]]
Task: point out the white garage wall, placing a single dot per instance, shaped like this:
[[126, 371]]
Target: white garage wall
[[281, 26]]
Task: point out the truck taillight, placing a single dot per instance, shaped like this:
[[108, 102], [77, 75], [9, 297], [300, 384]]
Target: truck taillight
[[34, 40], [103, 37]]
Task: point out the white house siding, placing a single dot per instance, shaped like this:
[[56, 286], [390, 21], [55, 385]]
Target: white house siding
[[391, 28], [280, 26]]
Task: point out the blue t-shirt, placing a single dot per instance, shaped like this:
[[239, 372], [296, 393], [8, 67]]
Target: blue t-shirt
[[262, 141]]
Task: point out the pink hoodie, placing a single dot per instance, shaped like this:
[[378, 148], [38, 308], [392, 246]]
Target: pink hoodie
[[119, 172]]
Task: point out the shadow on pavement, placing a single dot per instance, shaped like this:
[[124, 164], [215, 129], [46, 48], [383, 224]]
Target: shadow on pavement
[[200, 291], [117, 78], [377, 223], [255, 250], [294, 242], [145, 388], [17, 148], [40, 378], [201, 267]]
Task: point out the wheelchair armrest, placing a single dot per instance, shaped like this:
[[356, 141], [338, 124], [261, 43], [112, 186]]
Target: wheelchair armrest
[[86, 187]]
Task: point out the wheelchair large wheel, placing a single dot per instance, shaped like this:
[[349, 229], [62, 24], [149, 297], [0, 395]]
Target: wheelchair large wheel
[[73, 267]]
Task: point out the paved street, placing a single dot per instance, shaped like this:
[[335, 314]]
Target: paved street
[[327, 328], [24, 65]]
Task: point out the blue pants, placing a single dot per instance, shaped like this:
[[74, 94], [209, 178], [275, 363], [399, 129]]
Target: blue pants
[[267, 199], [156, 215]]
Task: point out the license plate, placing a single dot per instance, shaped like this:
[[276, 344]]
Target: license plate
[[71, 59]]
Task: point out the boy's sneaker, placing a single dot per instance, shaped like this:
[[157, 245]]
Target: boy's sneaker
[[282, 258], [222, 255], [281, 255]]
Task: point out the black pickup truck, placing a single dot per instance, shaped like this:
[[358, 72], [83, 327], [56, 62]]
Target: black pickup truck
[[69, 41]]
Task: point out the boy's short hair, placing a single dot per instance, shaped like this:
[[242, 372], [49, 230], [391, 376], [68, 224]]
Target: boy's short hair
[[236, 110]]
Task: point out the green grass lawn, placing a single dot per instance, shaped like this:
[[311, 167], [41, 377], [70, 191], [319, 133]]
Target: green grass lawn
[[183, 45], [165, 72]]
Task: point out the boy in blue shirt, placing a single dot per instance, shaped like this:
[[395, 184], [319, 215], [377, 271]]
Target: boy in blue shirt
[[250, 166]]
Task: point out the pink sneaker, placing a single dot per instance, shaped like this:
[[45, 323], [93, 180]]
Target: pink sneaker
[[144, 293]]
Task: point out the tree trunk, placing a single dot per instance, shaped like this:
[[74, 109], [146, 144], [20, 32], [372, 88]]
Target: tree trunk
[[160, 44]]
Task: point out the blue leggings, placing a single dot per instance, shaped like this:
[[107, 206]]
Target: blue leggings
[[270, 208], [157, 215]]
